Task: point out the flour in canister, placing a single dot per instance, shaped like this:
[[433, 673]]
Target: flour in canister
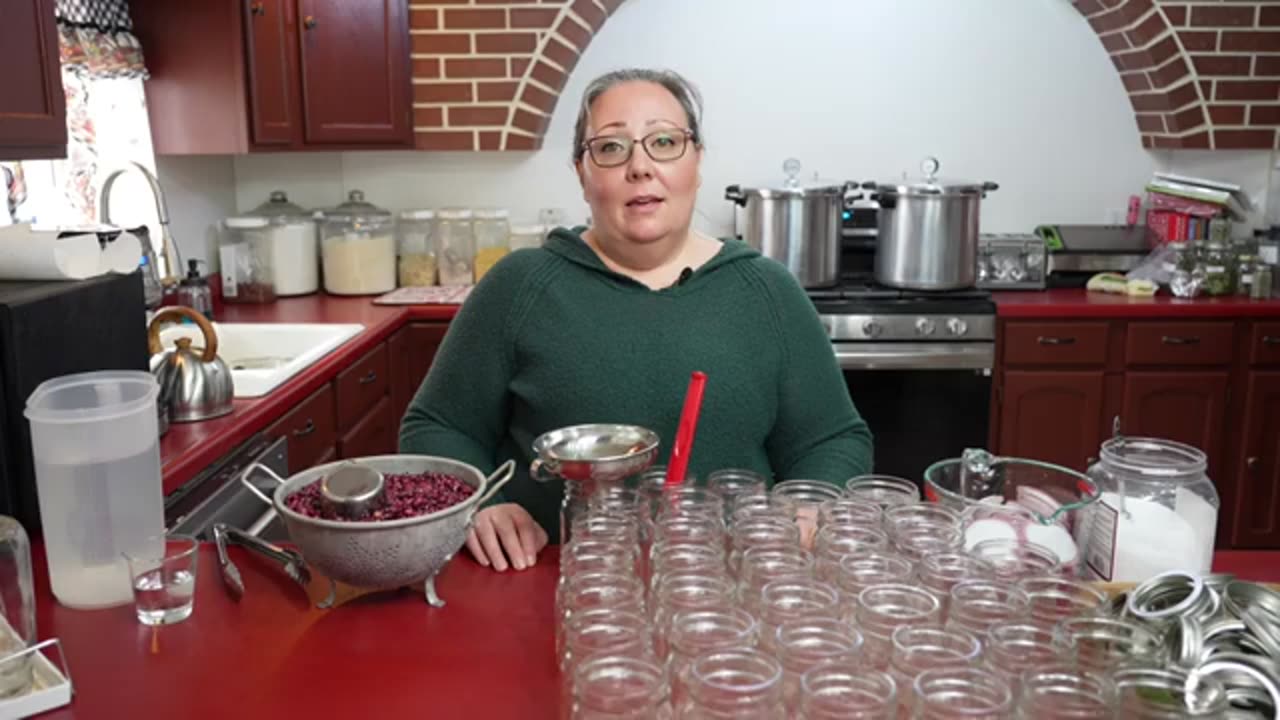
[[294, 264], [357, 264]]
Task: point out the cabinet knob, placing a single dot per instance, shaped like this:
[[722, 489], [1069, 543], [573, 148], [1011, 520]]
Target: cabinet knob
[[306, 430], [371, 377], [1252, 464], [1115, 426], [258, 8], [309, 22]]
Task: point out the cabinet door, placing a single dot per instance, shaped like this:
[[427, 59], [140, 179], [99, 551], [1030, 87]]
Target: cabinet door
[[1053, 416], [1256, 517], [310, 428], [1187, 407], [374, 434], [33, 121], [355, 71], [412, 350], [270, 47]]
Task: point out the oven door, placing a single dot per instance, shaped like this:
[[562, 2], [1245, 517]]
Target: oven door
[[924, 402]]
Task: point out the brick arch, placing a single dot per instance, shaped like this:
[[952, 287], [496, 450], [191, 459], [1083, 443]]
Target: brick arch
[[1198, 75]]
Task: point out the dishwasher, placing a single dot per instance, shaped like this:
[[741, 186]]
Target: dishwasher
[[216, 495]]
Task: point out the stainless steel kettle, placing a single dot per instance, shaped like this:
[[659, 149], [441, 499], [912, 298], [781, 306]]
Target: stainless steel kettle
[[195, 383]]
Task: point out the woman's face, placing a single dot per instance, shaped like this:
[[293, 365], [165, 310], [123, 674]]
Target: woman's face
[[641, 200]]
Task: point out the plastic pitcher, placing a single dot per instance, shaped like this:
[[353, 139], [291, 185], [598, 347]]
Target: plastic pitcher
[[95, 439]]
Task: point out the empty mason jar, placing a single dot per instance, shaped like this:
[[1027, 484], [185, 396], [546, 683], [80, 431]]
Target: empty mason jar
[[745, 507], [685, 501], [915, 540], [901, 517], [961, 693], [17, 607], [701, 632], [688, 529], [808, 496], [850, 511], [979, 605], [762, 565], [793, 599], [456, 246], [1011, 649], [1106, 644], [604, 525], [650, 485], [596, 591], [761, 531], [803, 644], [1066, 692], [939, 572], [600, 557], [682, 593], [1014, 560], [844, 690], [600, 632], [734, 685], [1054, 599], [835, 542], [730, 483], [620, 688], [1166, 694], [883, 609], [670, 559], [884, 490], [859, 572], [917, 648]]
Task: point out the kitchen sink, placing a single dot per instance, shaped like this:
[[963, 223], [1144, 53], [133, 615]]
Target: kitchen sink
[[264, 355]]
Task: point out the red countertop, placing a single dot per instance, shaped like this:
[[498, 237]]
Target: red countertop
[[1062, 303], [488, 654]]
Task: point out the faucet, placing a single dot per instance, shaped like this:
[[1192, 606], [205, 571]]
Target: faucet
[[172, 259]]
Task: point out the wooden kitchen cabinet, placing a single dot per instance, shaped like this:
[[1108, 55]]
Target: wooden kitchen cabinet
[[1186, 407], [311, 429], [374, 434], [1255, 519], [33, 116], [237, 76], [1051, 415], [360, 387], [411, 351]]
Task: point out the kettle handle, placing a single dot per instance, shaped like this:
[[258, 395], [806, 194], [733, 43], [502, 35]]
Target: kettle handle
[[182, 311]]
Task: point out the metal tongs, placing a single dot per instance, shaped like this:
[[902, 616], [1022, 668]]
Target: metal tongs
[[290, 561]]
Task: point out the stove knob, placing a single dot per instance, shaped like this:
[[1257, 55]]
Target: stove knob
[[925, 326], [956, 326], [872, 329]]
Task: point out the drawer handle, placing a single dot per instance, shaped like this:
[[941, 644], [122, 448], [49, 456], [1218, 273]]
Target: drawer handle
[[1270, 340], [309, 22], [1175, 340], [371, 377], [307, 430], [1251, 464], [258, 9], [1050, 340]]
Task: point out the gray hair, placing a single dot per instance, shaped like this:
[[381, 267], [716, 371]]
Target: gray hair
[[681, 89]]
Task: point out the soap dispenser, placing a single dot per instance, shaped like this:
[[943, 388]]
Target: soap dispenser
[[193, 290]]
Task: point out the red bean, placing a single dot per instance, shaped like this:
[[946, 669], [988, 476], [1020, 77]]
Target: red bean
[[406, 496]]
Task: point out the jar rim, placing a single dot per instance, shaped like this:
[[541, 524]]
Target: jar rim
[[1153, 457]]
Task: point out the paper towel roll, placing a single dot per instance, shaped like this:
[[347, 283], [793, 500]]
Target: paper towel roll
[[29, 253]]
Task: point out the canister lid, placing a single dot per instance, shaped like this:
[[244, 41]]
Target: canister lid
[[792, 186], [418, 215], [278, 209], [356, 208], [931, 184]]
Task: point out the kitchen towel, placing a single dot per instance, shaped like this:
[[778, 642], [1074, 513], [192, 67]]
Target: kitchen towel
[[431, 295], [29, 252]]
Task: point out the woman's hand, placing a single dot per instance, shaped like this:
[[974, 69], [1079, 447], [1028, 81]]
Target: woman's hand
[[505, 534]]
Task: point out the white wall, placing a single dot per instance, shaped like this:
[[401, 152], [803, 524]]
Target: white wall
[[200, 191], [1015, 91]]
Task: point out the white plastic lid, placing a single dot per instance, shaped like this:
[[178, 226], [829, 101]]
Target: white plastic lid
[[247, 223], [92, 396], [418, 215]]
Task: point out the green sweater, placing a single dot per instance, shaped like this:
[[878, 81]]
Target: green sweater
[[551, 337]]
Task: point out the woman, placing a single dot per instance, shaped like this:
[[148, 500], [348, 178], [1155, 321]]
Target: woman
[[606, 324]]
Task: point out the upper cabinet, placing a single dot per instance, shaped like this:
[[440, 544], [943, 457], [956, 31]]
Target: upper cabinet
[[33, 119], [273, 75]]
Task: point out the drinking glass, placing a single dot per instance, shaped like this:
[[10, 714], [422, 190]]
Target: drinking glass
[[164, 581]]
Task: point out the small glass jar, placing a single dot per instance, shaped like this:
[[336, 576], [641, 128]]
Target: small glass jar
[[914, 541], [17, 608], [668, 559], [1186, 276], [527, 236], [701, 632], [1055, 599], [1220, 230], [687, 501], [604, 631], [808, 496], [979, 605], [593, 556], [358, 248], [884, 490], [803, 644], [859, 572], [882, 609], [620, 688], [731, 483], [699, 528], [455, 246], [244, 256], [1065, 692], [493, 238], [683, 593], [1246, 266], [760, 532], [1105, 644], [1013, 648], [1165, 694], [1219, 269], [918, 648], [1159, 505], [959, 693], [835, 542], [844, 690], [596, 591], [939, 572], [735, 684], [416, 245], [744, 507], [1014, 560], [793, 599], [850, 511], [762, 565], [602, 525]]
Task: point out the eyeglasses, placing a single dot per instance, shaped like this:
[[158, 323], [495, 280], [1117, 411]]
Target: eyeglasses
[[664, 145]]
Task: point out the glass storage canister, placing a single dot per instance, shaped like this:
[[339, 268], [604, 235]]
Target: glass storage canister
[[1219, 269], [1186, 277], [1158, 511], [17, 608], [358, 247], [493, 238], [416, 245], [244, 253], [293, 247], [1246, 265], [527, 236], [455, 246]]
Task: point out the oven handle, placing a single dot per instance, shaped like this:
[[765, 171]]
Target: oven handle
[[915, 356]]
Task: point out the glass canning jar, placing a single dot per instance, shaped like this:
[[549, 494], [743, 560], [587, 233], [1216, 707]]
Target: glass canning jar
[[620, 687], [416, 248], [836, 542], [961, 693], [600, 632], [844, 690], [455, 246], [683, 593], [884, 490], [1054, 599], [859, 572], [1011, 649], [917, 648], [730, 483], [1166, 694], [734, 685], [793, 599], [979, 605], [762, 565], [939, 572], [850, 511], [803, 644], [1066, 692], [701, 632], [761, 531], [882, 609], [1107, 644], [492, 228]]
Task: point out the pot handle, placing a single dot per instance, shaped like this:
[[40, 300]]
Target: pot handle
[[989, 186], [182, 311], [244, 480], [543, 470], [500, 477], [887, 201], [734, 193]]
